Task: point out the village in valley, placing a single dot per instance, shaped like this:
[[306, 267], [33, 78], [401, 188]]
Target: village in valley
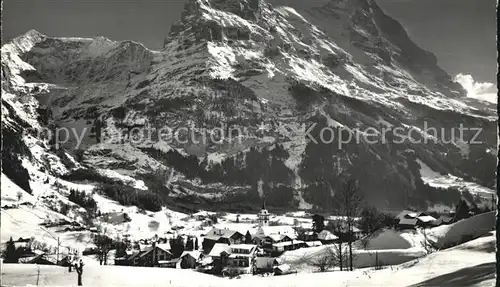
[[266, 244]]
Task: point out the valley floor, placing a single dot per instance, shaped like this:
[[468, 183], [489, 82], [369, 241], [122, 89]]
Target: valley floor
[[468, 264]]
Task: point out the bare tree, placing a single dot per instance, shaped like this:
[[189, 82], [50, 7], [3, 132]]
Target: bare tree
[[338, 227], [104, 245], [19, 196], [350, 200], [79, 271], [428, 247], [332, 256], [324, 261], [340, 253]]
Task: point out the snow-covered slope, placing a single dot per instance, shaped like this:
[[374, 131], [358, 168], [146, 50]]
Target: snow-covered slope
[[464, 230], [470, 264], [269, 72]]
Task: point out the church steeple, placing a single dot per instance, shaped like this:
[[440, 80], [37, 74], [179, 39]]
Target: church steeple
[[263, 215]]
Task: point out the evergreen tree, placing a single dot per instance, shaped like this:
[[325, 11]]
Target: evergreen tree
[[196, 246], [121, 248], [462, 210], [248, 238], [177, 246], [318, 223], [190, 244], [10, 254]]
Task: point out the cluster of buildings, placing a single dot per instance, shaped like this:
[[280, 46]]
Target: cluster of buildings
[[230, 252], [408, 219], [159, 254], [223, 251]]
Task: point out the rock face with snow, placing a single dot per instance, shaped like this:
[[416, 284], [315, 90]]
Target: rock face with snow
[[263, 77]]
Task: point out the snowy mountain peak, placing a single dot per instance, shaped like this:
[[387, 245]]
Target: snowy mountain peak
[[270, 72]]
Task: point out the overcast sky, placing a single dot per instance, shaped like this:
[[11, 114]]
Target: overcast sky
[[462, 33]]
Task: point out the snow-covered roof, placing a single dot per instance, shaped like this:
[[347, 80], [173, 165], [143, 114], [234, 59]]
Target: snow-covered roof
[[264, 212], [313, 243], [219, 248], [283, 267], [426, 218], [206, 260], [406, 213], [265, 231], [287, 243], [412, 215], [217, 233], [243, 246], [327, 235], [278, 237], [194, 253], [408, 221]]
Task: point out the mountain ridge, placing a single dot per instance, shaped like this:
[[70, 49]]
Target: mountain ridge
[[255, 67]]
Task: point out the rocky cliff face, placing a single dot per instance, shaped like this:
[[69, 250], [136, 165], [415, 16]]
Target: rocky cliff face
[[265, 77]]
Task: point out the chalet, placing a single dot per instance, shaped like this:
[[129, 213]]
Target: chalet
[[242, 259], [147, 256], [41, 259], [406, 214], [219, 254], [267, 242], [407, 223], [326, 237], [288, 245], [190, 259], [157, 252], [265, 264], [424, 220], [225, 236], [30, 255], [276, 233], [408, 219], [48, 259], [282, 269]]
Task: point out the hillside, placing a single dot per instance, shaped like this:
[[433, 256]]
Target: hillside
[[86, 112]]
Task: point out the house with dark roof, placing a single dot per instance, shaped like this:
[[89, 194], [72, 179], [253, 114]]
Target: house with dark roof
[[265, 264], [443, 220], [146, 256], [408, 219], [218, 235], [190, 259]]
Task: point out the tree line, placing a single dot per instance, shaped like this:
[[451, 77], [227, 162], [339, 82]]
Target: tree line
[[263, 169]]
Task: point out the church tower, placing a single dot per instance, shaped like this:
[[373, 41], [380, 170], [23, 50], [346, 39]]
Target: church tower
[[263, 216]]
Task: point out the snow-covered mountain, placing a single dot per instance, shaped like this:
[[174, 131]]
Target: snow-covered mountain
[[270, 73]]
